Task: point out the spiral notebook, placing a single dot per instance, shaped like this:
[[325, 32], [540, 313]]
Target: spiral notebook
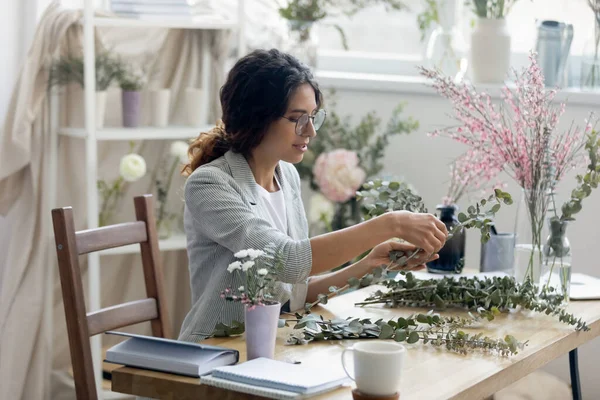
[[277, 379]]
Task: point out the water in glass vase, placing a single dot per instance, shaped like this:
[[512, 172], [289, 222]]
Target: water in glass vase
[[452, 255], [556, 267]]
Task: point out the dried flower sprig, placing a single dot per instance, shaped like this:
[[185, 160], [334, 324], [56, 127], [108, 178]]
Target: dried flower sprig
[[485, 295], [430, 328]]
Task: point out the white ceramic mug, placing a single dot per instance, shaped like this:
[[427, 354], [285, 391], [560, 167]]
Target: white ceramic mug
[[377, 367]]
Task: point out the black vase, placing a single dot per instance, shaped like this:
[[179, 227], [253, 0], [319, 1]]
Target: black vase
[[452, 255]]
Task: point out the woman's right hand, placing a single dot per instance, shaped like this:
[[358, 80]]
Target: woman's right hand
[[425, 231]]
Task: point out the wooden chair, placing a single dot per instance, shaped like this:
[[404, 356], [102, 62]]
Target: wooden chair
[[81, 325]]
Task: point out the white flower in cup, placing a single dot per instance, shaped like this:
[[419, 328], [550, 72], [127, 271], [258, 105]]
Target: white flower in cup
[[247, 265], [262, 272], [234, 265], [179, 150], [132, 167], [254, 254], [241, 254]]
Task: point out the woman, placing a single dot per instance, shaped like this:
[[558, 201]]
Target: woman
[[244, 192]]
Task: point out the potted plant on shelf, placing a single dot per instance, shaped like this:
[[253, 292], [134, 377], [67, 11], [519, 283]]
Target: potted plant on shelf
[[70, 68], [302, 15], [257, 272], [490, 41], [131, 83]]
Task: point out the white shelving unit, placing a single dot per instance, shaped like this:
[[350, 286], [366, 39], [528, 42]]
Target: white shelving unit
[[142, 133], [91, 135]]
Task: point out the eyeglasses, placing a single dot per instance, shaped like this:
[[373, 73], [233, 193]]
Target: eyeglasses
[[302, 122]]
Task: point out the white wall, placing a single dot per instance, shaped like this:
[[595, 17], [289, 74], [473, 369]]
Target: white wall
[[423, 160]]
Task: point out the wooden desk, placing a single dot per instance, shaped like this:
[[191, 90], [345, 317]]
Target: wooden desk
[[428, 373]]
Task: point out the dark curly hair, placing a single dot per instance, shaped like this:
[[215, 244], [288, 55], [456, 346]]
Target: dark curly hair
[[256, 93]]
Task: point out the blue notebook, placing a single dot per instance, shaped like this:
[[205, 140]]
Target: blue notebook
[[278, 375]]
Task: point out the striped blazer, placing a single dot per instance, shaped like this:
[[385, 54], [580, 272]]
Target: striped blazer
[[224, 214]]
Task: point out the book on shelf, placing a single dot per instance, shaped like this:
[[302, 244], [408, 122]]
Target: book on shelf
[[167, 3], [167, 355], [161, 10], [277, 379]]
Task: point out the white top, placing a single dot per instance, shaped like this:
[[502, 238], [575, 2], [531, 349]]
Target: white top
[[276, 205]]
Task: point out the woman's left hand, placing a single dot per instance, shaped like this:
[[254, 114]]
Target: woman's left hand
[[380, 255]]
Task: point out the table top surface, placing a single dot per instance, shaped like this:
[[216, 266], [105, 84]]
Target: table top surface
[[428, 372]]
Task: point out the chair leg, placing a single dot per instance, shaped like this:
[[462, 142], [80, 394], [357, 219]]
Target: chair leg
[[574, 369]]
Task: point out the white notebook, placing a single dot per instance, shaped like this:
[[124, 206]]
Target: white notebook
[[166, 355], [271, 376]]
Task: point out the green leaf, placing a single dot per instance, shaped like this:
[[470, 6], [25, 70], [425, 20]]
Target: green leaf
[[386, 332], [462, 217], [495, 208], [322, 298], [402, 323], [383, 196], [354, 282], [439, 303], [400, 335], [413, 337], [394, 185], [422, 318]]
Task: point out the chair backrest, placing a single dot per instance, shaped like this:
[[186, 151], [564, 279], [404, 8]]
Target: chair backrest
[[81, 325]]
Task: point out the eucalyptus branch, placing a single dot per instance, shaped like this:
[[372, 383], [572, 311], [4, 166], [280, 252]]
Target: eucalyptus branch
[[484, 295], [383, 197], [586, 182], [428, 328]]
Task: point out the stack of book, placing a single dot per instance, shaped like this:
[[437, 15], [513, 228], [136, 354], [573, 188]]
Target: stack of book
[[148, 9]]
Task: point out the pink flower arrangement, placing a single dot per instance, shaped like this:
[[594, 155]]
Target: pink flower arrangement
[[338, 174], [518, 137]]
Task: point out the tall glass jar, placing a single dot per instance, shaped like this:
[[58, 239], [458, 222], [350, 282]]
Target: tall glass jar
[[530, 231], [446, 48], [452, 255], [556, 266], [302, 42]]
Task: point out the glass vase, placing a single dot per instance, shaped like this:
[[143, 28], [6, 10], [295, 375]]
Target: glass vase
[[529, 233], [446, 52], [556, 265], [590, 62], [302, 42], [452, 255]]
